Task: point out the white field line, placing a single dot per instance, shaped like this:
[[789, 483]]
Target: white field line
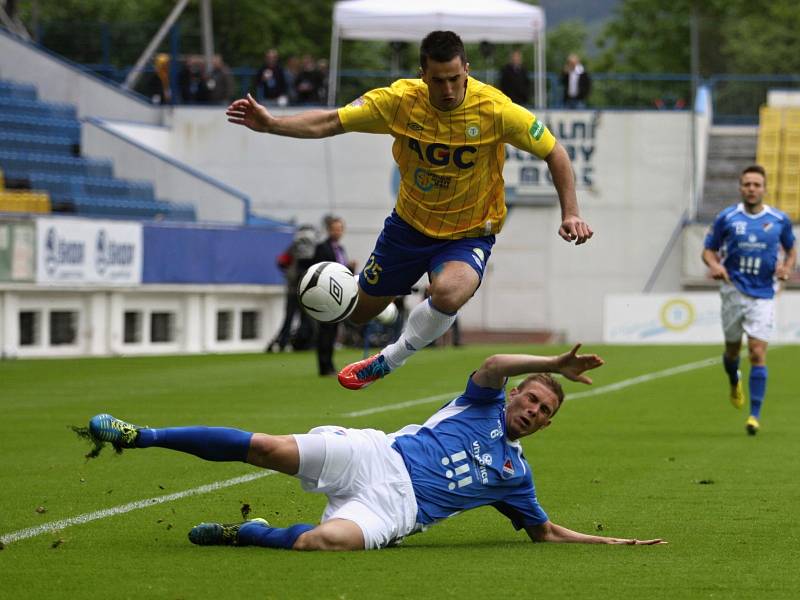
[[22, 534], [612, 387]]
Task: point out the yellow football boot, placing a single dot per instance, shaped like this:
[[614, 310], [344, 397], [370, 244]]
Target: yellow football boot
[[737, 395]]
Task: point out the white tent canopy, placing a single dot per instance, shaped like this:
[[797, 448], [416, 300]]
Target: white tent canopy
[[498, 21]]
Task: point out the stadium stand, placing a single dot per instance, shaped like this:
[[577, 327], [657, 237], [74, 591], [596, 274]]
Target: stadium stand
[[730, 149], [779, 153], [12, 201], [43, 169]]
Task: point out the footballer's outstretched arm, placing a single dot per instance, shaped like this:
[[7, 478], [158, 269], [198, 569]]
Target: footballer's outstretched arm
[[308, 124], [494, 370], [573, 227], [550, 532]]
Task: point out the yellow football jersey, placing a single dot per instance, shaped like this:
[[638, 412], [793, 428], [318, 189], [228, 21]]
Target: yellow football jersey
[[451, 162]]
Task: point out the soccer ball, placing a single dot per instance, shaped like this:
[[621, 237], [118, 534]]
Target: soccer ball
[[328, 292]]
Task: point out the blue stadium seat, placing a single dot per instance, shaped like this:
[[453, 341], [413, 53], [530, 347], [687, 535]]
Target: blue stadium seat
[[38, 142], [12, 89], [21, 162], [181, 212], [123, 209], [28, 142], [36, 108], [68, 128]]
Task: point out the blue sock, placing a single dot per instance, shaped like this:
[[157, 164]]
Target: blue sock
[[258, 534], [209, 443], [758, 389], [731, 368]]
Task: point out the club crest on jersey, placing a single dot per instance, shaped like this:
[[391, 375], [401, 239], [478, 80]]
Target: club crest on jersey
[[472, 130], [357, 102], [508, 468], [767, 226]]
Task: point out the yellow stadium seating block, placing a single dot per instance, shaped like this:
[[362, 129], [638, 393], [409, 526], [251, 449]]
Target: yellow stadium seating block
[[770, 118], [789, 182], [790, 162], [791, 119], [791, 141], [764, 157], [769, 140]]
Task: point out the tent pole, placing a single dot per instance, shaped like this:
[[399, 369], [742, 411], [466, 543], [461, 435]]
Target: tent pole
[[541, 89], [136, 72], [208, 34], [333, 73]]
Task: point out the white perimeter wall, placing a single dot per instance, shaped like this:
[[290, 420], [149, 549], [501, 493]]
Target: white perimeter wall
[[634, 174], [100, 318]]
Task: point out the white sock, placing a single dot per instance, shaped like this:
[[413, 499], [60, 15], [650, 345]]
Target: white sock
[[425, 324]]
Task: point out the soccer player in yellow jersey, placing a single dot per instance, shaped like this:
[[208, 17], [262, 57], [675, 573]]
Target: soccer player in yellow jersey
[[450, 132]]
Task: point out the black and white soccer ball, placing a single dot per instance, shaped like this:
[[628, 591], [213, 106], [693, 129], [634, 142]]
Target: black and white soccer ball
[[328, 292]]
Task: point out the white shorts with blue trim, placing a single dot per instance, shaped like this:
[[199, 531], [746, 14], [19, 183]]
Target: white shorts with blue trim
[[366, 482]]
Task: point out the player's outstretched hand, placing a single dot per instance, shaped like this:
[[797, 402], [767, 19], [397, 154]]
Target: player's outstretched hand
[[573, 228], [248, 112], [637, 542], [571, 364]]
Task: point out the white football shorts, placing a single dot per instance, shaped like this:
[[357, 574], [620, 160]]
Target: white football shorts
[[365, 479], [744, 314]]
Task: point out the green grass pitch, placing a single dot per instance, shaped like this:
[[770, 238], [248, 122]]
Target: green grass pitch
[[666, 457]]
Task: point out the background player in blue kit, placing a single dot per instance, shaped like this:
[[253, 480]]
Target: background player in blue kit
[[742, 250], [382, 487]]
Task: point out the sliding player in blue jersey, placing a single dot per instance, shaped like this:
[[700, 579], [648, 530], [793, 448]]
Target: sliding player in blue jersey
[[742, 251], [382, 488]]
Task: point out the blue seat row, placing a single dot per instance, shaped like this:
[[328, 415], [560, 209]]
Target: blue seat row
[[126, 209], [61, 127], [68, 186], [28, 163], [36, 108], [17, 141], [12, 89]]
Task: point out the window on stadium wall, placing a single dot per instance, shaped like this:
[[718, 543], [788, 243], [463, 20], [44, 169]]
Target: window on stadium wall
[[249, 325], [162, 327], [224, 325], [63, 327], [132, 327], [29, 328]]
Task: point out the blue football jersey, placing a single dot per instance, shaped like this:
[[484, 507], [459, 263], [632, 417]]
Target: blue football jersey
[[749, 246], [461, 459]]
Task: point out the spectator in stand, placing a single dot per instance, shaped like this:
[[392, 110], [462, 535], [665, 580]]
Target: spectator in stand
[[219, 82], [308, 82], [192, 80], [322, 67], [514, 81], [156, 85], [576, 83], [270, 81], [330, 250], [292, 71]]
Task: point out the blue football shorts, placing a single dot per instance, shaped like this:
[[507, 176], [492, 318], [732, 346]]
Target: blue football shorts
[[402, 255]]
